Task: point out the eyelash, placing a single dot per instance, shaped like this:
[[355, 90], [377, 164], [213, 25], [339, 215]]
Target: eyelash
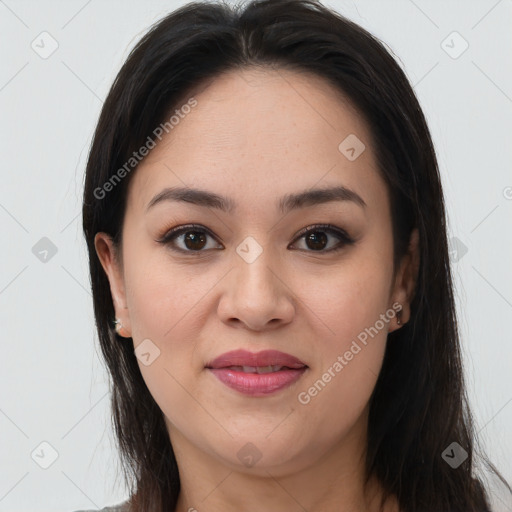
[[327, 228]]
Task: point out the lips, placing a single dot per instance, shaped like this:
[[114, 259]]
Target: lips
[[257, 374], [266, 358]]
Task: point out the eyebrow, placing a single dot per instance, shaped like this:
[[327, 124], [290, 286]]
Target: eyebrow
[[287, 203]]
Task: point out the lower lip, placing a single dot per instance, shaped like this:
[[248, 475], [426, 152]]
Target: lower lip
[[255, 384]]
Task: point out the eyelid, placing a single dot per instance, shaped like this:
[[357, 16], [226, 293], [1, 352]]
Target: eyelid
[[324, 227]]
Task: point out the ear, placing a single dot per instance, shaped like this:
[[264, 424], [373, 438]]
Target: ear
[[406, 279], [110, 262]]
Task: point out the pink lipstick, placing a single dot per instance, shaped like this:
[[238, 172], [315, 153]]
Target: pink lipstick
[[257, 374]]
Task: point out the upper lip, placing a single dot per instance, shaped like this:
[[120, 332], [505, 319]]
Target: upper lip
[[263, 358]]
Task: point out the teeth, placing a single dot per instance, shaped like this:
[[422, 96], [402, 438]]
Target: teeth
[[268, 369]]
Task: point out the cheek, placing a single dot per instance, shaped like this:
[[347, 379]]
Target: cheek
[[164, 300], [165, 307], [350, 300], [169, 306], [353, 307]]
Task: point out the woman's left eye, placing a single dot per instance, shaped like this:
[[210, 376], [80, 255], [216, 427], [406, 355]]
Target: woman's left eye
[[317, 237], [194, 238]]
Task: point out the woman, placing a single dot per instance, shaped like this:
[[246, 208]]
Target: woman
[[268, 253]]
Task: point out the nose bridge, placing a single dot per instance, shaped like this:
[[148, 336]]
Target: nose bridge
[[254, 264], [258, 296]]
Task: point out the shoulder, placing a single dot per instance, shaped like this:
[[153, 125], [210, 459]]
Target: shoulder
[[121, 507]]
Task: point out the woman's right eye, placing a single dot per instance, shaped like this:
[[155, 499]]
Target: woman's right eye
[[191, 239]]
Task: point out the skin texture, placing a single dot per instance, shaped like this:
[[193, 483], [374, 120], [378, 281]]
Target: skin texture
[[254, 136]]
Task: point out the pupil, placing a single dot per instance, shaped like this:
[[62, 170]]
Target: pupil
[[194, 237], [315, 239]]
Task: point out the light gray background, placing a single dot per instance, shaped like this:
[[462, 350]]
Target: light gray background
[[53, 386]]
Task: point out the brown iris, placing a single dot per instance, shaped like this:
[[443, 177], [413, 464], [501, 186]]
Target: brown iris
[[195, 240], [317, 238]]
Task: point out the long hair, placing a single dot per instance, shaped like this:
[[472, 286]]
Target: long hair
[[419, 406]]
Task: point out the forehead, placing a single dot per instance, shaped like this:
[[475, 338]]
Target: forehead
[[267, 132]]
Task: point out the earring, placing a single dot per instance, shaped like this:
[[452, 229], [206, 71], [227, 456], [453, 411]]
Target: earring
[[398, 318], [118, 326]]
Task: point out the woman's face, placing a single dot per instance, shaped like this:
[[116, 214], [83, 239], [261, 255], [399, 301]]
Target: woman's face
[[245, 278]]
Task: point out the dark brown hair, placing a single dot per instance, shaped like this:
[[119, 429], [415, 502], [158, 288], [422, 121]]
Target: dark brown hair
[[419, 405]]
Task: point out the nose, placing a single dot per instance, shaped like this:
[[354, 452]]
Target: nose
[[257, 295]]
